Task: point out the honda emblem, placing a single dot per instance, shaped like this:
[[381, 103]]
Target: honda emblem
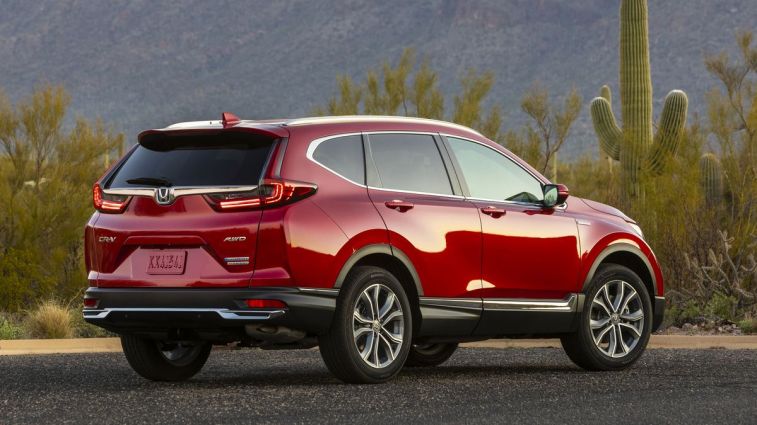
[[163, 195]]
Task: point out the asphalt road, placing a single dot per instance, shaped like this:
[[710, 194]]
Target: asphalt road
[[475, 386]]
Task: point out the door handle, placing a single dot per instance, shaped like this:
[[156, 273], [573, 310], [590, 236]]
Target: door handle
[[399, 205], [494, 211]]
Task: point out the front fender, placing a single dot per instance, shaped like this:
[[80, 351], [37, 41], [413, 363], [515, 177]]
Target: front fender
[[622, 242]]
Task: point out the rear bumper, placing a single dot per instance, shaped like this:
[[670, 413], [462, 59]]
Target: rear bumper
[[219, 312]]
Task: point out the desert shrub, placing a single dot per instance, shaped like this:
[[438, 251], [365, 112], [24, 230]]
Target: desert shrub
[[684, 312], [46, 175], [9, 329], [748, 325], [50, 319]]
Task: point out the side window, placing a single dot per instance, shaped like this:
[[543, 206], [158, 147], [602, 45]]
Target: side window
[[491, 175], [409, 162], [344, 156]]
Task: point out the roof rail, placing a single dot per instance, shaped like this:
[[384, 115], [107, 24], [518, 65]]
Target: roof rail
[[374, 118]]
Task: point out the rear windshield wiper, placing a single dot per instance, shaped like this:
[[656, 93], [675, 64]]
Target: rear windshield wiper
[[150, 181]]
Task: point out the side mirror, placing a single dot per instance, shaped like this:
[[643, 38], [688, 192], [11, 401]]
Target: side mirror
[[555, 194]]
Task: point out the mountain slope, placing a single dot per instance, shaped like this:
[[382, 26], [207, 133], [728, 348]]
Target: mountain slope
[[138, 64]]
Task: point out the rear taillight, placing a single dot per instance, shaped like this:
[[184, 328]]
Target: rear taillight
[[271, 193], [108, 203]]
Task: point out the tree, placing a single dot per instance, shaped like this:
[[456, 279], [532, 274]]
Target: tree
[[547, 130], [46, 174], [404, 90]]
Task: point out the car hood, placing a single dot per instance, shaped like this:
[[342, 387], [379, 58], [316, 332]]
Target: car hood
[[606, 209]]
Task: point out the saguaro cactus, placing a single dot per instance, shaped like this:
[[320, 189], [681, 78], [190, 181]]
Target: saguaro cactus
[[711, 177], [635, 145]]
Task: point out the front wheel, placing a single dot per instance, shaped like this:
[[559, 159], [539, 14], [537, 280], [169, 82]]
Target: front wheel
[[615, 324], [370, 335], [164, 361]]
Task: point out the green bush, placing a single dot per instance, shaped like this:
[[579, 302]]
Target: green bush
[[677, 315], [749, 325], [723, 307], [9, 329]]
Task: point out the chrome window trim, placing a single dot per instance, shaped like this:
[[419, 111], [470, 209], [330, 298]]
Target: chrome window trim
[[314, 144]]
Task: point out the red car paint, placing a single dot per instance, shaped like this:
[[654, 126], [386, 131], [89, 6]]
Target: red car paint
[[457, 249]]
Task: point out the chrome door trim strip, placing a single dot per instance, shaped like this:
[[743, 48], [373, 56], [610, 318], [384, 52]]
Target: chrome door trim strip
[[320, 291], [567, 304]]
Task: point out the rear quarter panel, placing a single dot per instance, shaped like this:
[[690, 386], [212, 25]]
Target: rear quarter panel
[[307, 243]]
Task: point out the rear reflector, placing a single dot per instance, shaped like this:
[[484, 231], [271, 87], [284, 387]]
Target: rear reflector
[[91, 302], [270, 193], [265, 304], [107, 203]]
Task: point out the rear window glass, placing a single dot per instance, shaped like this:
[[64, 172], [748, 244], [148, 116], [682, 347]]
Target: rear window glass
[[230, 159], [344, 156]]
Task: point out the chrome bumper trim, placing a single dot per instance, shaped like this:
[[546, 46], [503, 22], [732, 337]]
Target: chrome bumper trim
[[222, 312]]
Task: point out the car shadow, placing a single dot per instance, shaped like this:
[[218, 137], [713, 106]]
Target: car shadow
[[322, 377]]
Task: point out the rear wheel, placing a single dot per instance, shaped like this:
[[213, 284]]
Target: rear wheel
[[426, 355], [165, 361], [371, 332], [615, 323]]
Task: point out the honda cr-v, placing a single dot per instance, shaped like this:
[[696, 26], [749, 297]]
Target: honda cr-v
[[385, 241]]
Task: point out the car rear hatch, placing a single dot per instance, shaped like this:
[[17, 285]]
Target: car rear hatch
[[182, 209]]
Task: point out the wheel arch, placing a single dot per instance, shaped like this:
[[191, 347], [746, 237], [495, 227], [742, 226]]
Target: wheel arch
[[396, 262], [627, 255]]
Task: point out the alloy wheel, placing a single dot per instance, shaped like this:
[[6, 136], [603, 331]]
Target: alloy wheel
[[378, 326], [617, 318]]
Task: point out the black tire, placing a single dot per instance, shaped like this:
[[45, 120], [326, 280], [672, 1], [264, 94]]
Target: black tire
[[580, 345], [428, 355], [147, 359], [339, 346]]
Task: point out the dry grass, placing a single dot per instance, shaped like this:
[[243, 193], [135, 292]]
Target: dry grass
[[50, 319]]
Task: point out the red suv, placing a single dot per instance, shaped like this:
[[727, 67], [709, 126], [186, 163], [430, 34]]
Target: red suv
[[386, 241]]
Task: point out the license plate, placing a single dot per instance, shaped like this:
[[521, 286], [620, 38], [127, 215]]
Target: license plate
[[166, 262]]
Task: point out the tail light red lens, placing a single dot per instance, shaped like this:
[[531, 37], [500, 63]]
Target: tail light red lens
[[107, 203], [265, 304], [271, 193], [91, 302]]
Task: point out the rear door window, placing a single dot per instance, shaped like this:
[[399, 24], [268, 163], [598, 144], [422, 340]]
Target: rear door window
[[409, 162], [228, 159]]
